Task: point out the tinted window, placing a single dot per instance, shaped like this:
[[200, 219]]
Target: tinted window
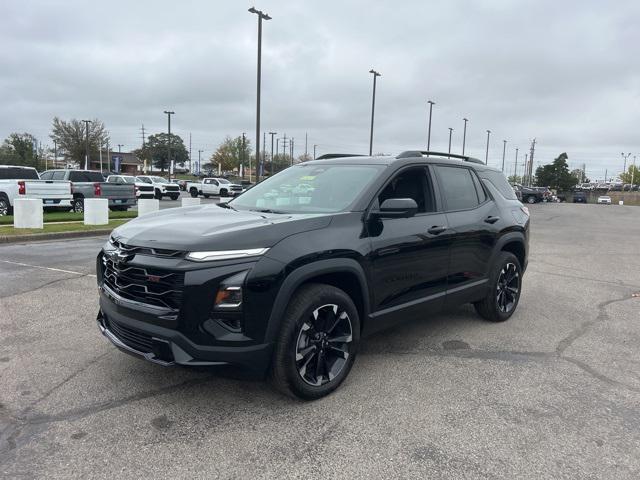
[[82, 176], [46, 175], [112, 180], [18, 173], [482, 196], [458, 188], [412, 183], [498, 180], [58, 175]]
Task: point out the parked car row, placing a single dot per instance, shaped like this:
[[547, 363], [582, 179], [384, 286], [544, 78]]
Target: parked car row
[[607, 187]]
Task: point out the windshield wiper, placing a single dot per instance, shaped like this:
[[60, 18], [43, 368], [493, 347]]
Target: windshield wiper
[[226, 205], [265, 210]]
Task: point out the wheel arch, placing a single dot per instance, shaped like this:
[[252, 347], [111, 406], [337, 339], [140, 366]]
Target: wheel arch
[[514, 242], [344, 273]]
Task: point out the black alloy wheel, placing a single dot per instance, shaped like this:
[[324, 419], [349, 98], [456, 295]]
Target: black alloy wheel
[[505, 287], [508, 288], [317, 343], [193, 192], [322, 349], [158, 194]]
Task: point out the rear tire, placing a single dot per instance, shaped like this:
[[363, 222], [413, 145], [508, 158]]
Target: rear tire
[[317, 344], [531, 200], [193, 192], [5, 208], [223, 192], [505, 287], [78, 205], [158, 194]]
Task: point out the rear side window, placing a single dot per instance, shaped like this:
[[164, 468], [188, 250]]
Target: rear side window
[[498, 180], [58, 175], [82, 176], [18, 173], [458, 188]]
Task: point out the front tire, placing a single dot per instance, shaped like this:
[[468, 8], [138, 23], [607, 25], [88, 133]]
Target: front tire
[[223, 192], [504, 292], [317, 344], [175, 197], [78, 205], [158, 194], [193, 192], [531, 200]]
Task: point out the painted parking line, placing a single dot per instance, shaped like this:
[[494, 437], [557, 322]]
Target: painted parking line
[[48, 268]]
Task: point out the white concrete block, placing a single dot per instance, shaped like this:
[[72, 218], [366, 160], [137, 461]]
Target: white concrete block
[[96, 211], [620, 202], [190, 201], [27, 213], [148, 205]]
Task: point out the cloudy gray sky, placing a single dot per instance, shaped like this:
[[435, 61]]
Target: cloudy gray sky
[[565, 72]]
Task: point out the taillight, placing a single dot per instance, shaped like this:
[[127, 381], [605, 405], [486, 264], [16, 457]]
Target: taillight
[[97, 190], [525, 210], [22, 189]]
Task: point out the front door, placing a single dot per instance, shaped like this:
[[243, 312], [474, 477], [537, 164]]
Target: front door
[[410, 256]]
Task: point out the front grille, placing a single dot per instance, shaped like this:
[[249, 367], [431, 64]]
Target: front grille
[[133, 338], [151, 286], [236, 188], [172, 188], [146, 188]]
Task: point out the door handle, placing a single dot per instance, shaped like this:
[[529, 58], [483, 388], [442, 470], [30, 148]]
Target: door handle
[[491, 219], [437, 229]]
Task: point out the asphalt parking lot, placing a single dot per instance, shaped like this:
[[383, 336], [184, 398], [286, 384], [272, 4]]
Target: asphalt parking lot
[[552, 393]]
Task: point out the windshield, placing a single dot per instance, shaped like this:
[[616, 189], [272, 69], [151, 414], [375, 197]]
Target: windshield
[[223, 180], [159, 180], [309, 189], [129, 179]]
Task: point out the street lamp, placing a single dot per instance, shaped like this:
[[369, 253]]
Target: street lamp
[[373, 108], [86, 144], [169, 113], [624, 169], [504, 151], [261, 16], [450, 132], [486, 157], [464, 134], [272, 135], [431, 104]]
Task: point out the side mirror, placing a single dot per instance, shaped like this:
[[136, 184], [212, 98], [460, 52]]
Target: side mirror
[[397, 208]]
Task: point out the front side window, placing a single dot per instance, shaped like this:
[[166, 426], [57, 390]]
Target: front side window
[[159, 180], [458, 187], [412, 183], [309, 189], [58, 175], [46, 175]]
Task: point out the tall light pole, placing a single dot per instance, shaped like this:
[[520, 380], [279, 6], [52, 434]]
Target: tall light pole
[[450, 133], [86, 144], [431, 104], [261, 16], [199, 152], [464, 134], [242, 156], [624, 169], [373, 108], [272, 135], [169, 113], [504, 151], [633, 172], [314, 151], [515, 170], [486, 157]]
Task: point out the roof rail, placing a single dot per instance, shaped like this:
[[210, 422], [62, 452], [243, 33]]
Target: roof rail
[[421, 153], [328, 156]]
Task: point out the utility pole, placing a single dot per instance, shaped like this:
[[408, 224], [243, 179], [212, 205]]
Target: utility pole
[[284, 145], [305, 145], [86, 155], [486, 157], [242, 156], [263, 160], [450, 133], [271, 172], [464, 134], [515, 171], [190, 157], [261, 16], [169, 113], [109, 156], [291, 149], [504, 151], [624, 169], [431, 104], [55, 154], [633, 173], [531, 153], [524, 172], [373, 108], [605, 175], [314, 151], [199, 162]]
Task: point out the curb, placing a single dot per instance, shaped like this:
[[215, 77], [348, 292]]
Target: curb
[[36, 237]]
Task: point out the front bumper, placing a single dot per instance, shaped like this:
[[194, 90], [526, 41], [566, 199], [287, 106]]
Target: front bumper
[[168, 346], [122, 202]]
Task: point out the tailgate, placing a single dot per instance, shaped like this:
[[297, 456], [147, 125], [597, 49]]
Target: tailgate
[[113, 190], [47, 189]]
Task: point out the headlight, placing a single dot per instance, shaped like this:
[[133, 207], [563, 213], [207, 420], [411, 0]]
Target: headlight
[[225, 254], [228, 298]]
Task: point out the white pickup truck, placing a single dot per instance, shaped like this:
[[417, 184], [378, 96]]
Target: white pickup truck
[[24, 182], [214, 187]]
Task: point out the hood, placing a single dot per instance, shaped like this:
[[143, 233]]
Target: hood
[[209, 227]]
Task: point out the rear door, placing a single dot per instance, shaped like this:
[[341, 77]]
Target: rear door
[[410, 256], [474, 221]]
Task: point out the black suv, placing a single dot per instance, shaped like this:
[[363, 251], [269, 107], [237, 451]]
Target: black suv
[[286, 278]]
